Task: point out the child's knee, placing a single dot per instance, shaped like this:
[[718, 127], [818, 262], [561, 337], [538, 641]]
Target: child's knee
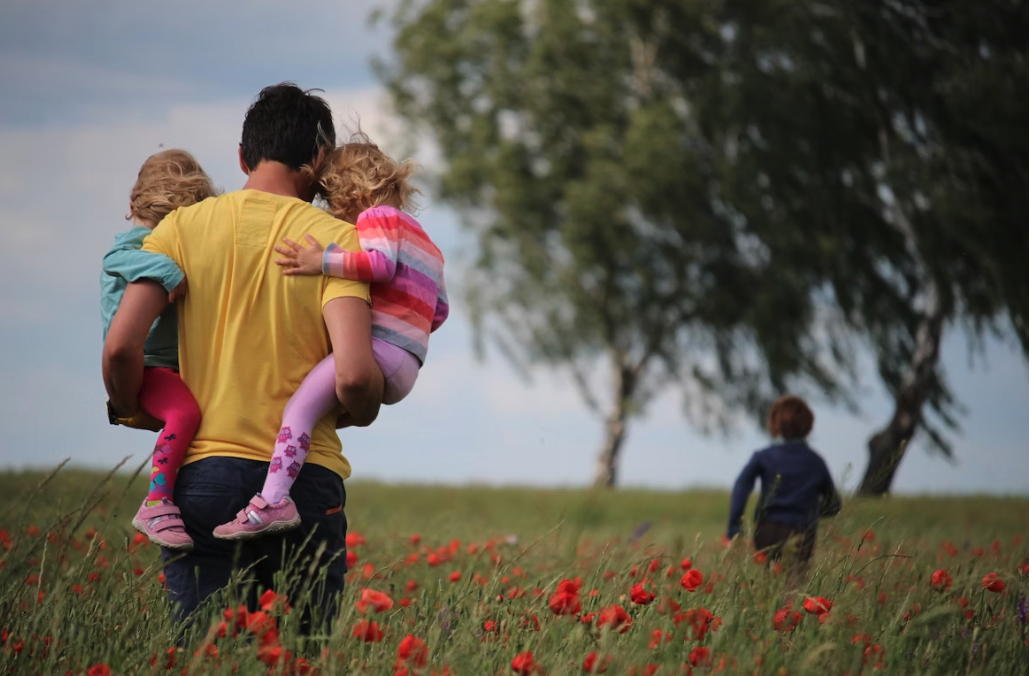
[[187, 418]]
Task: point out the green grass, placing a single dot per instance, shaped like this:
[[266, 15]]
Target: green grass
[[77, 592]]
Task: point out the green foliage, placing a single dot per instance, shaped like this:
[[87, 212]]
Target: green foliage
[[75, 595], [727, 196]]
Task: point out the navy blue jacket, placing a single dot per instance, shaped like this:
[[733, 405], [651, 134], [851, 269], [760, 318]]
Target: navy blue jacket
[[795, 487]]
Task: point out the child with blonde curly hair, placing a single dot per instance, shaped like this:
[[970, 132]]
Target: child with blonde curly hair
[[167, 181], [364, 186]]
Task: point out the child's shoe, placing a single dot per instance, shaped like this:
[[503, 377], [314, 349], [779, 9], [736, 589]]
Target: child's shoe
[[260, 518], [163, 525]]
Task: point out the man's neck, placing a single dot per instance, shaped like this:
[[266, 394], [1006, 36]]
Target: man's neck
[[278, 179]]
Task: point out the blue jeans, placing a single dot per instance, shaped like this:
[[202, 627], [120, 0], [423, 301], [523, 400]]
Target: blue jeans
[[210, 492]]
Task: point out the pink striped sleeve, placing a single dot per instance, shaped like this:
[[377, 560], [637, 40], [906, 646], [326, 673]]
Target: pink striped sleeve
[[379, 232]]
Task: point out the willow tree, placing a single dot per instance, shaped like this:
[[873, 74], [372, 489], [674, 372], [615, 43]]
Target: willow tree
[[895, 134], [571, 145], [726, 196]]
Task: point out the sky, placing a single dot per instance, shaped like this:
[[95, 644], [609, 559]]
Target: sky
[[91, 89]]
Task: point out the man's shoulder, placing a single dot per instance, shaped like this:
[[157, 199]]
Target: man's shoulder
[[308, 218]]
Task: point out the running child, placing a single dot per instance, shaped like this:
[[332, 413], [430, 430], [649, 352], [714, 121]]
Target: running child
[[167, 181], [361, 185], [796, 488]]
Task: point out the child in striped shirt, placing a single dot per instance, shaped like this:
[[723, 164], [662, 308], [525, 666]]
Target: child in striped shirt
[[361, 185]]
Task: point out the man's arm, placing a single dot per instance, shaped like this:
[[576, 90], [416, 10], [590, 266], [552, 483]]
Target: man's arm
[[360, 384], [122, 362]]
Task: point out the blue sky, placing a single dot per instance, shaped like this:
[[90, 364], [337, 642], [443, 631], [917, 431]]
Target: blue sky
[[91, 89]]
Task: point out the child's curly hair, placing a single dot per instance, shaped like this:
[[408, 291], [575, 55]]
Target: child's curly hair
[[167, 181], [358, 175], [790, 418]]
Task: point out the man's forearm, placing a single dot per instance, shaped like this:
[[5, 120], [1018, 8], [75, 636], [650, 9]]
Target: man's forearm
[[123, 375], [122, 362], [361, 400]]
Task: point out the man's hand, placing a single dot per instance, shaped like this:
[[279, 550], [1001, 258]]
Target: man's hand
[[301, 260], [178, 292]]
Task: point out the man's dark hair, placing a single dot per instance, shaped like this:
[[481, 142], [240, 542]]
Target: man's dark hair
[[287, 124]]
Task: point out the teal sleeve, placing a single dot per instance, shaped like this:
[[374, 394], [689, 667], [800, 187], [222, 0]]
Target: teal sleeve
[[133, 265]]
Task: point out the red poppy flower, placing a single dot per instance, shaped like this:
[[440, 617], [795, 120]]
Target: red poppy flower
[[667, 605], [641, 595], [686, 563], [433, 560], [378, 601], [524, 663], [596, 665], [99, 670], [992, 583], [787, 619], [699, 656], [456, 576], [698, 619], [354, 540], [270, 599], [565, 600], [351, 558], [415, 538], [940, 580], [817, 605], [760, 558], [412, 651], [368, 631], [692, 579], [658, 637], [614, 617]]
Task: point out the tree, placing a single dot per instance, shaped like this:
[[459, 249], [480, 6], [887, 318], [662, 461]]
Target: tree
[[726, 196], [570, 145], [901, 124]]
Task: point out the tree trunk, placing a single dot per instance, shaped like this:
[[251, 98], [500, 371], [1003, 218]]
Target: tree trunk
[[886, 447], [616, 424]]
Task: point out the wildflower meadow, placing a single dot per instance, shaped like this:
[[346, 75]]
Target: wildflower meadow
[[498, 582]]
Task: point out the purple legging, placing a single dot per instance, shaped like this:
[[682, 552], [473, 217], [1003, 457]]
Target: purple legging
[[316, 397]]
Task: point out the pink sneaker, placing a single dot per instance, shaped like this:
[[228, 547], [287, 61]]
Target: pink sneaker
[[259, 518], [163, 525]]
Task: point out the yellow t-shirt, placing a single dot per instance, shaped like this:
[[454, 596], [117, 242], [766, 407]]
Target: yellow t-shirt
[[248, 335]]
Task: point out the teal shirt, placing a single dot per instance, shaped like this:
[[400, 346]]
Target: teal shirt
[[126, 263]]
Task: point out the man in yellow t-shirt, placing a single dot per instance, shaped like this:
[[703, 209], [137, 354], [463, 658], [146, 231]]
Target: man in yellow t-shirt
[[248, 336]]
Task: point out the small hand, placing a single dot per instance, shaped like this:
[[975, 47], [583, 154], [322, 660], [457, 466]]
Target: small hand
[[178, 292], [301, 260]]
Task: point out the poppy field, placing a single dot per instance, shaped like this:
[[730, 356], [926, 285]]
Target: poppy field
[[521, 582]]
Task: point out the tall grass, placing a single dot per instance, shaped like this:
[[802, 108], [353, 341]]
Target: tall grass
[[470, 573]]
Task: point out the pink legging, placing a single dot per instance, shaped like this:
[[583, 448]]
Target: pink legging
[[164, 395], [316, 397]]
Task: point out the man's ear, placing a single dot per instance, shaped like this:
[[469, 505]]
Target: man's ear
[[240, 157]]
